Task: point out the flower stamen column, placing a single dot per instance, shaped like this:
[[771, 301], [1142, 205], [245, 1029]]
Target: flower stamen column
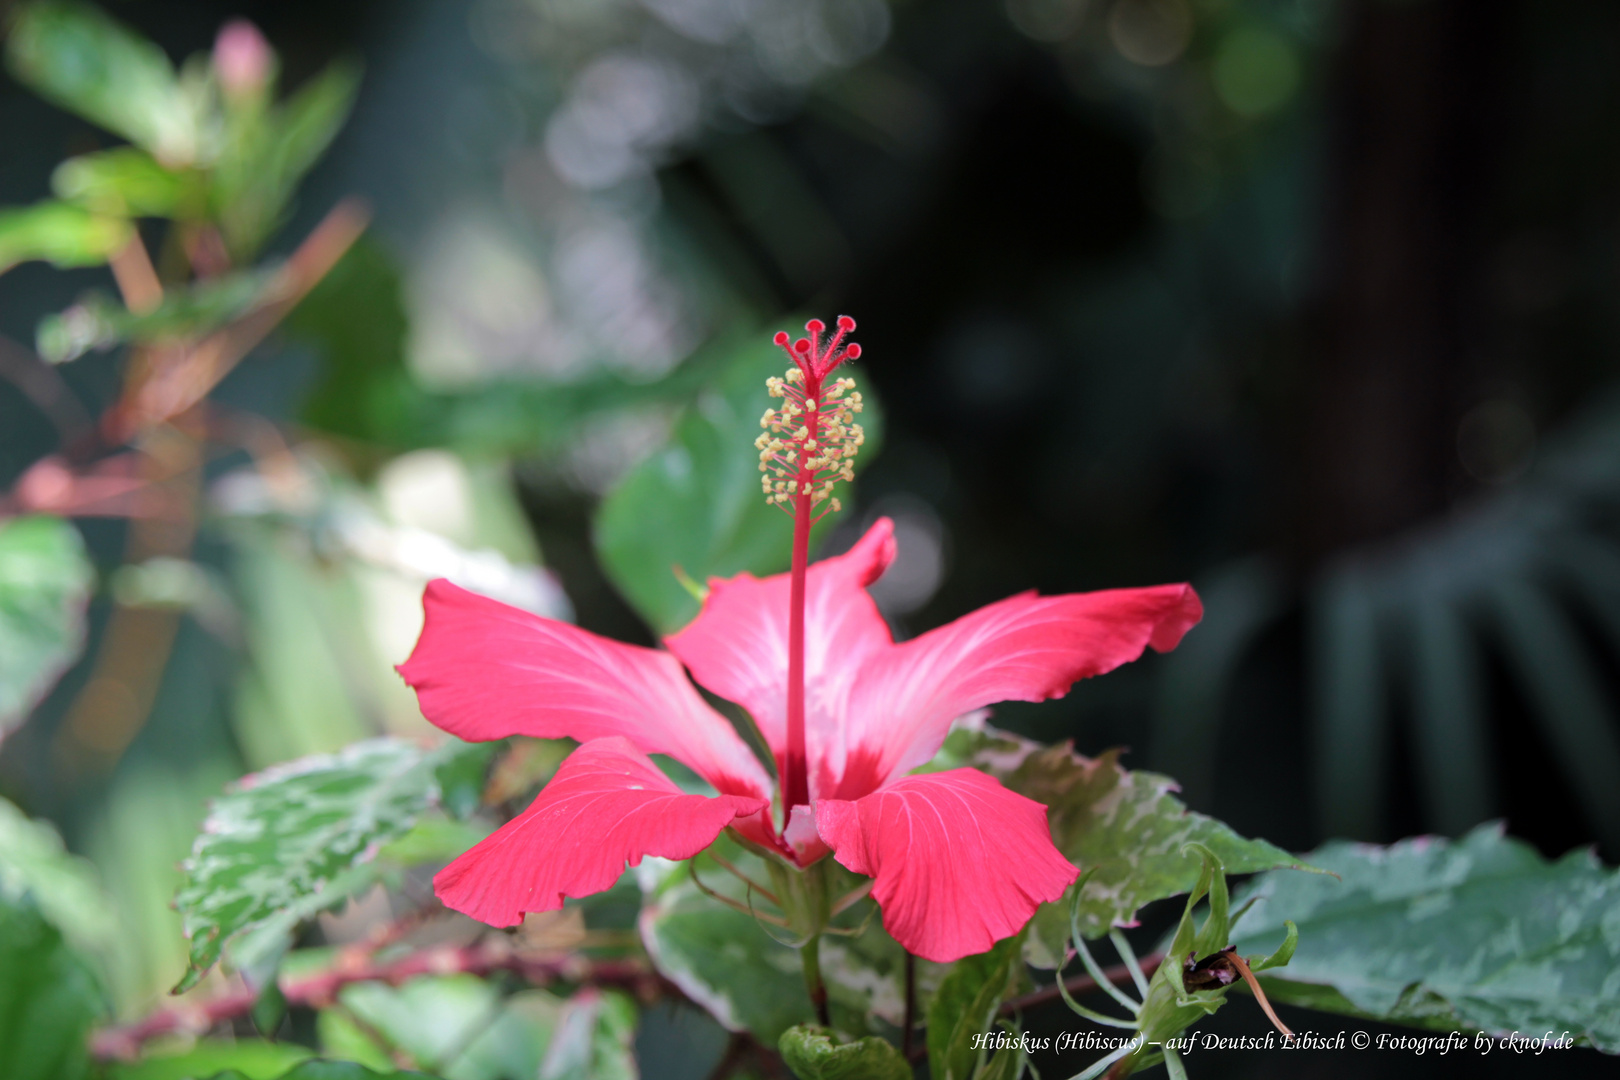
[[800, 471]]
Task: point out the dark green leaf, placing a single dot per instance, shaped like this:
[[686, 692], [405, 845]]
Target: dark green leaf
[[45, 583], [48, 999], [356, 318], [60, 233], [965, 1005], [1478, 933], [295, 840], [76, 56], [696, 504], [121, 182], [814, 1054], [1124, 827]]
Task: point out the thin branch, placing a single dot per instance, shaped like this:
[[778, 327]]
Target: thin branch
[[321, 989], [137, 280]]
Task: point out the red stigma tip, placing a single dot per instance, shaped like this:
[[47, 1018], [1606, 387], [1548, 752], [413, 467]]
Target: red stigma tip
[[852, 351], [845, 323], [815, 326], [781, 337], [802, 345]]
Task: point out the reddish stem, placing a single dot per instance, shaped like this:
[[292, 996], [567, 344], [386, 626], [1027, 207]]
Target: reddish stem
[[321, 989], [795, 770]]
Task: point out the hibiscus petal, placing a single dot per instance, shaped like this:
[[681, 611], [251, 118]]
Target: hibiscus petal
[[737, 646], [485, 670], [959, 861], [1023, 648], [608, 806]]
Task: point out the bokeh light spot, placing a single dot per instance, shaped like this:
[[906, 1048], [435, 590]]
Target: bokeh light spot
[[1047, 20], [1256, 71], [1150, 32]]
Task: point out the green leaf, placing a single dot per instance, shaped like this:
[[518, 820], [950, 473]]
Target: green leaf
[[1479, 933], [282, 845], [79, 58], [49, 999], [45, 583], [254, 1059], [966, 1005], [259, 168], [122, 182], [696, 504], [60, 233], [727, 962], [1124, 827], [466, 1029], [814, 1054], [64, 887], [330, 1070]]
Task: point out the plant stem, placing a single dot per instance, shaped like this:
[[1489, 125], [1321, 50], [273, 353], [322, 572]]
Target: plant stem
[[911, 1005], [810, 954], [320, 989]]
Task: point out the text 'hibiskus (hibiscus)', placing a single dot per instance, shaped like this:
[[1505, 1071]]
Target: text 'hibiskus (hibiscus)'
[[957, 861]]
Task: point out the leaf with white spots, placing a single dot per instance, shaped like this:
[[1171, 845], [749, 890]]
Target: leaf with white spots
[[1125, 827], [1479, 933], [284, 844]]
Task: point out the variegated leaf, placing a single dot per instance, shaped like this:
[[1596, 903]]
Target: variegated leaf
[[1480, 933]]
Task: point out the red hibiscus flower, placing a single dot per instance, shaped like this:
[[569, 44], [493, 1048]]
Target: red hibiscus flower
[[958, 861]]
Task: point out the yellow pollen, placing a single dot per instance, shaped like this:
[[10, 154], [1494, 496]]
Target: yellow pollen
[[794, 463]]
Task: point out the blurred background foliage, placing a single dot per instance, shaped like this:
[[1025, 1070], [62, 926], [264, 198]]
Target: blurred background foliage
[[1310, 302]]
